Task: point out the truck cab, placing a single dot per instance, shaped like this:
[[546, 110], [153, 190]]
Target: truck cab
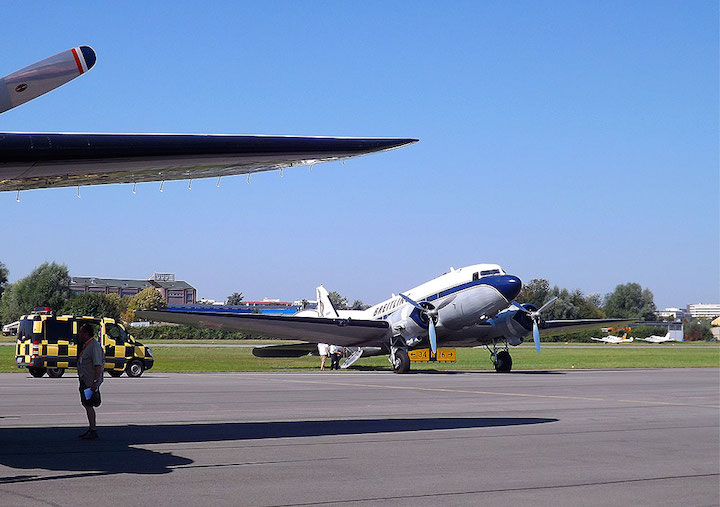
[[49, 344]]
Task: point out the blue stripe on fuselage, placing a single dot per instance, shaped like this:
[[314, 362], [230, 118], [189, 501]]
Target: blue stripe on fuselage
[[507, 285]]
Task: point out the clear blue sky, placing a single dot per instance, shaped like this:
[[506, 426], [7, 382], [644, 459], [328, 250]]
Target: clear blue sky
[[575, 141]]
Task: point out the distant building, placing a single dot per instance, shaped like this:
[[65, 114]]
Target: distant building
[[703, 311], [674, 313], [175, 292]]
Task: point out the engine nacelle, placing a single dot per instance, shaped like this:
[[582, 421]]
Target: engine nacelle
[[514, 325]]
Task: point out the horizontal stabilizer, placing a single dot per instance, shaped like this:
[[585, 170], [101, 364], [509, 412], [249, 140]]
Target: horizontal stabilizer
[[288, 350]]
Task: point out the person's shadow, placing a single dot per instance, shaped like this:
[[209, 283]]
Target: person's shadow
[[59, 449]]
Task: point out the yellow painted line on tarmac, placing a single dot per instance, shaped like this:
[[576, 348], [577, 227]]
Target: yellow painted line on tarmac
[[496, 393], [442, 390], [669, 403]]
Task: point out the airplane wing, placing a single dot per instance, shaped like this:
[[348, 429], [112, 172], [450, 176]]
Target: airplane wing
[[42, 160], [553, 326], [345, 332]]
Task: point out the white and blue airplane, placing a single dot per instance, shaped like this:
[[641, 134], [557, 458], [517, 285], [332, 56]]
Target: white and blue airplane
[[662, 339], [30, 160], [466, 307]]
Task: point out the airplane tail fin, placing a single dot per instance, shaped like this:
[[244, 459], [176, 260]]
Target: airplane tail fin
[[325, 307]]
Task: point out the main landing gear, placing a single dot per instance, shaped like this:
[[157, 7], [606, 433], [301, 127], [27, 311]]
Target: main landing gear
[[500, 358], [399, 357]]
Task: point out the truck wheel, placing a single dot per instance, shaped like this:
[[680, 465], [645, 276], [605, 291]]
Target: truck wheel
[[115, 373], [55, 372], [135, 368], [37, 372]]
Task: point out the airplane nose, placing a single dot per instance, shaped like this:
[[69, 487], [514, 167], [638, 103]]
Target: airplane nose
[[507, 285]]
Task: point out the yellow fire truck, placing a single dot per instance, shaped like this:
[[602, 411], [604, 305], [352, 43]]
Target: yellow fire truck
[[48, 344]]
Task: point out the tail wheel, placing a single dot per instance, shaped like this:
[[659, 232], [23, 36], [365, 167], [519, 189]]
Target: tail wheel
[[37, 372], [135, 368], [55, 372], [402, 361], [503, 362]]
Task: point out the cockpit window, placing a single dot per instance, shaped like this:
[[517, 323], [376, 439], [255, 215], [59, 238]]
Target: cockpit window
[[476, 276], [489, 272]]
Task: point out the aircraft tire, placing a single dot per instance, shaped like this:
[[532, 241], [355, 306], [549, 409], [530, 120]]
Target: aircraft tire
[[37, 372], [503, 362], [55, 372], [135, 368], [402, 364]]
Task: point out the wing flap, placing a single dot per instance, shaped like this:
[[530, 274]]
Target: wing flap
[[345, 332]]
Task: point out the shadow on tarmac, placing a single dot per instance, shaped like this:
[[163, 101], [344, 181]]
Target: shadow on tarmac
[[59, 449]]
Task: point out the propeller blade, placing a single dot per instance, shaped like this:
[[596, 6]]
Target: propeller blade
[[548, 304], [43, 76], [536, 335], [433, 337], [520, 307], [412, 302]]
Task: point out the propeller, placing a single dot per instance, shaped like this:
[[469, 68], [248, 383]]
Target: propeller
[[431, 312], [43, 76], [535, 317]]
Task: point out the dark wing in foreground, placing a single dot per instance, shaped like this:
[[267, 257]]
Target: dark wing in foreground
[[554, 326], [41, 160], [345, 332]]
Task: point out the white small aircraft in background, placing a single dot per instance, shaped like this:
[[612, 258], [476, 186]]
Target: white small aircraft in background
[[614, 339], [661, 339], [465, 307]]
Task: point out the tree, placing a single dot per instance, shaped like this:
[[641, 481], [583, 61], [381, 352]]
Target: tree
[[630, 300], [536, 292], [147, 299], [48, 285], [93, 305], [338, 301], [569, 305], [697, 329], [3, 277], [359, 305], [234, 299]]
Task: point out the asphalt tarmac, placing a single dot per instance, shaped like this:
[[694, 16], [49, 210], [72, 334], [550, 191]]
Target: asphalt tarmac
[[615, 437]]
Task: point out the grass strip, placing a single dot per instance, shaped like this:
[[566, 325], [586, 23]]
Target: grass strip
[[222, 359]]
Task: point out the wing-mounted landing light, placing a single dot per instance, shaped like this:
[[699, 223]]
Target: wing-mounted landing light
[[536, 318], [43, 76], [431, 313]]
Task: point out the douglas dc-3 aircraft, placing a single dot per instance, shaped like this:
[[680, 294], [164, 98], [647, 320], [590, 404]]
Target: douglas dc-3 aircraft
[[465, 307], [31, 160]]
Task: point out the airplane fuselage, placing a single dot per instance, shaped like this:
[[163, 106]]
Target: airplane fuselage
[[466, 300]]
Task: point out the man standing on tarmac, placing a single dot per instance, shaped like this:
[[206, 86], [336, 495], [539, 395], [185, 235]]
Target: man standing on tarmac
[[90, 366]]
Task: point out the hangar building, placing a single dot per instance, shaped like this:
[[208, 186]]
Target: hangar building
[[175, 292]]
